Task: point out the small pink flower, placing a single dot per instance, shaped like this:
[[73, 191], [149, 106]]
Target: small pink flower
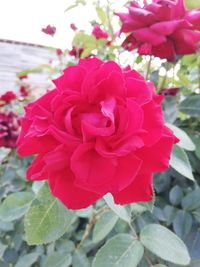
[[51, 30]]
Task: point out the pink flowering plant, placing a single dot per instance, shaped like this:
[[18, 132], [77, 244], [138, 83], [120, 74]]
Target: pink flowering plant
[[101, 169]]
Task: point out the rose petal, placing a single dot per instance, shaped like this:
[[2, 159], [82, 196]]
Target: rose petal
[[139, 90], [90, 168], [190, 40], [71, 79], [159, 161], [36, 171], [148, 35], [145, 16], [62, 186], [139, 190], [193, 17], [165, 50], [153, 123], [168, 27]]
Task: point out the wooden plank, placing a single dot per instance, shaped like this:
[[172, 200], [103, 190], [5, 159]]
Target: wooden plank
[[16, 56]]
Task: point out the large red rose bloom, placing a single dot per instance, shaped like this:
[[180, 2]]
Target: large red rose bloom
[[163, 28], [101, 130]]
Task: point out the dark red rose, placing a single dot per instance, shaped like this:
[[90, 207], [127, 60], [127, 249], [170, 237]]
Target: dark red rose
[[8, 97], [21, 77], [169, 91], [109, 43], [9, 129], [76, 52], [24, 90], [99, 33], [100, 130], [163, 28], [59, 52], [51, 30], [73, 27]]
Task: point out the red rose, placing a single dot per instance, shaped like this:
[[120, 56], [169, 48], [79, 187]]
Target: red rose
[[109, 43], [24, 90], [76, 52], [9, 129], [169, 91], [163, 28], [99, 33], [59, 52], [8, 97], [101, 130], [21, 77], [73, 27], [51, 30]]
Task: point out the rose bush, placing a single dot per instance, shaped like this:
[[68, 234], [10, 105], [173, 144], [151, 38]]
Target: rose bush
[[7, 97], [101, 130], [9, 129], [94, 116], [163, 28]]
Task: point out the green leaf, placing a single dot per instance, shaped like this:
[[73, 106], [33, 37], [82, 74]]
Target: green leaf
[[170, 109], [87, 51], [15, 205], [85, 213], [58, 259], [165, 244], [2, 249], [182, 223], [169, 213], [82, 39], [191, 4], [27, 260], [121, 211], [188, 59], [176, 195], [47, 219], [101, 15], [196, 139], [185, 141], [180, 162], [6, 226], [191, 105], [64, 245], [37, 185], [159, 265], [192, 200], [141, 207], [4, 151], [121, 250], [70, 7], [104, 225], [79, 259]]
